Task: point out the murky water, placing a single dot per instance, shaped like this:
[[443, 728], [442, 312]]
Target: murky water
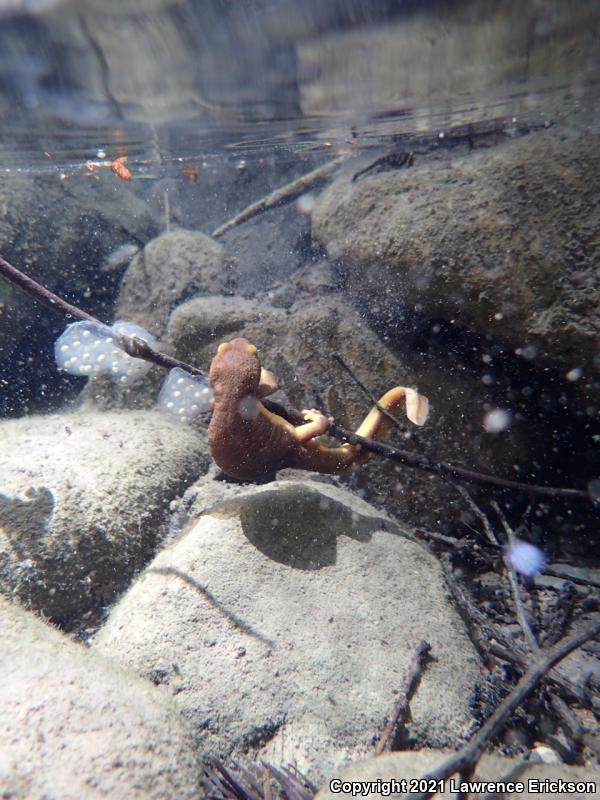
[[354, 196]]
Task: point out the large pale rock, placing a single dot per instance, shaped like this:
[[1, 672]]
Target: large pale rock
[[413, 765], [502, 241], [81, 499], [74, 725], [283, 621]]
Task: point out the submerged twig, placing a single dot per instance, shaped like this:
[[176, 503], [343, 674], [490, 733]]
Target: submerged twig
[[405, 691], [257, 782], [466, 759], [138, 348], [132, 345], [478, 513], [283, 195], [367, 393], [514, 584]]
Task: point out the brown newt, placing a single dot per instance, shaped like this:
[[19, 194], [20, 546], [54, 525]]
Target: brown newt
[[248, 441]]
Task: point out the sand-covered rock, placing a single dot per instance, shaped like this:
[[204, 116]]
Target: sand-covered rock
[[412, 766], [500, 240], [283, 621], [82, 496], [74, 725]]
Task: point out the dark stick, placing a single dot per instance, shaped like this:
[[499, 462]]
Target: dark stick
[[406, 689], [132, 345], [568, 718], [44, 295], [368, 394], [137, 348], [514, 584], [451, 470], [465, 760]]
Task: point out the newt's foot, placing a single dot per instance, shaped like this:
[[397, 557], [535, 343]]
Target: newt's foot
[[320, 419], [316, 425]]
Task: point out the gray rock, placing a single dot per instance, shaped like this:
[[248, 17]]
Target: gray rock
[[501, 241], [81, 498], [169, 270], [74, 725], [413, 765], [283, 621], [196, 327]]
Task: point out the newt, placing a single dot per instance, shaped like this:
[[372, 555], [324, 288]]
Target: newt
[[248, 441]]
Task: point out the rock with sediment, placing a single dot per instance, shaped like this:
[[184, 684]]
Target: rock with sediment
[[74, 725], [82, 496], [170, 269], [500, 240], [283, 621]]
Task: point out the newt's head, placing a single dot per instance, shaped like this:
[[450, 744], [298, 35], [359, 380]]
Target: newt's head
[[235, 370]]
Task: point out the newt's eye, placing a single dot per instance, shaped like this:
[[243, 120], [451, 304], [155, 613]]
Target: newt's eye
[[251, 350], [223, 346]]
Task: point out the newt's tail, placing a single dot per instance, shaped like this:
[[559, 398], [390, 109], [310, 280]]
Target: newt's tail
[[376, 425]]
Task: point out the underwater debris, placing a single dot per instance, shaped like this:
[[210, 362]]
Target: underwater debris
[[119, 168], [466, 759], [191, 172], [185, 396], [85, 349], [280, 196], [254, 781]]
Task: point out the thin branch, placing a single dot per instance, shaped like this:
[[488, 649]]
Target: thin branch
[[418, 461], [569, 719], [283, 195], [406, 689], [337, 357], [138, 348], [132, 345], [514, 584], [520, 608], [468, 756], [478, 513], [568, 576]]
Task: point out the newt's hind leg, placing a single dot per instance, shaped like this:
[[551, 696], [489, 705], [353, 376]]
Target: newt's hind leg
[[317, 425], [376, 425]]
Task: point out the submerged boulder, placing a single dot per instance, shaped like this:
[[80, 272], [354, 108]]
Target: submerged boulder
[[73, 724], [82, 496], [170, 269], [282, 621], [501, 240]]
